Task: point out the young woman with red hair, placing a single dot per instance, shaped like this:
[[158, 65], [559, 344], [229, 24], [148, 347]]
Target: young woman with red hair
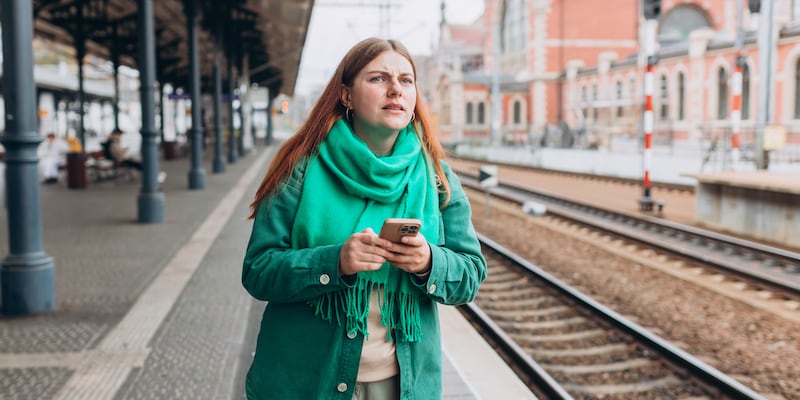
[[351, 315]]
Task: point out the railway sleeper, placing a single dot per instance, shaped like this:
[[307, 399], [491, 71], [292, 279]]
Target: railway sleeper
[[628, 389]]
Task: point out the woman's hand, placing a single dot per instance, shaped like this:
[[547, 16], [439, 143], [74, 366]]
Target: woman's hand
[[363, 251], [412, 254]]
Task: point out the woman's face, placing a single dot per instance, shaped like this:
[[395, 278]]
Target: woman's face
[[383, 96]]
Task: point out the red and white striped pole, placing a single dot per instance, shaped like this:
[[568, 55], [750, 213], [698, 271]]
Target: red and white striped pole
[[736, 110], [646, 202], [648, 123]]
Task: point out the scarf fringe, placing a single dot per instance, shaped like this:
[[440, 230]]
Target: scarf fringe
[[399, 311]]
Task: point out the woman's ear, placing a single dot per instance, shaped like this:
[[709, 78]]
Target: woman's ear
[[344, 96]]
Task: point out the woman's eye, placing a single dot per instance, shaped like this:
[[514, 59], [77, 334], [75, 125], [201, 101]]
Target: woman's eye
[[378, 78], [408, 80]]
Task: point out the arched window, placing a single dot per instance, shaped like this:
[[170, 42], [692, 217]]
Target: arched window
[[681, 96], [619, 99], [481, 113], [469, 113], [679, 21], [663, 98], [517, 112], [745, 92], [722, 94]]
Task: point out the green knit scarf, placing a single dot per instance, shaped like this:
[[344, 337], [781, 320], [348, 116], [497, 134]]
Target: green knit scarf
[[348, 188]]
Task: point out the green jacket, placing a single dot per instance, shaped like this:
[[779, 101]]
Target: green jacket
[[301, 356]]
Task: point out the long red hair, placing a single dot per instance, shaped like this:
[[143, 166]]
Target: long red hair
[[329, 109]]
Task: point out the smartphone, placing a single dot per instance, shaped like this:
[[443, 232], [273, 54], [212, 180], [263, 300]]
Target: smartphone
[[395, 228]]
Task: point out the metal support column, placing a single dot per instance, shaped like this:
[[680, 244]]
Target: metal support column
[[767, 36], [197, 174], [115, 104], [80, 50], [27, 274], [233, 154], [736, 87], [242, 151], [252, 127], [151, 200], [496, 112], [268, 138], [242, 97], [219, 163]]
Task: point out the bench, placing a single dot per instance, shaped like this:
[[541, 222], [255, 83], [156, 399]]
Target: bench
[[99, 168]]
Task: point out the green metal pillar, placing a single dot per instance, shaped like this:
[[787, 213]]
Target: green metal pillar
[[27, 274], [197, 174], [151, 200]]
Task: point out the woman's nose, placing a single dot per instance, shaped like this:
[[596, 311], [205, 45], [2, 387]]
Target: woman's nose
[[394, 87]]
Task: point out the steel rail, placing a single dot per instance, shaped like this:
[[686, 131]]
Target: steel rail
[[608, 220], [701, 370]]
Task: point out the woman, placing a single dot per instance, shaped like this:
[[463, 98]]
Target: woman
[[351, 315]]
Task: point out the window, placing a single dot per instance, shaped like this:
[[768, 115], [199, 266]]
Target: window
[[663, 98], [681, 96], [722, 94], [795, 10], [517, 112], [797, 90], [481, 113], [514, 26], [594, 102], [469, 113], [745, 92], [679, 21], [585, 102], [619, 99], [635, 100]]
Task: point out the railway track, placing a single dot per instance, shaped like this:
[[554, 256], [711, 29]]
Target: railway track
[[569, 346], [750, 263], [659, 186]]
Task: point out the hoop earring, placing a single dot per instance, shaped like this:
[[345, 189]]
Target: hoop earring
[[348, 113], [413, 116]]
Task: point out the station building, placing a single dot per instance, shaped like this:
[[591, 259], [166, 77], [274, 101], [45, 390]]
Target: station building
[[570, 73]]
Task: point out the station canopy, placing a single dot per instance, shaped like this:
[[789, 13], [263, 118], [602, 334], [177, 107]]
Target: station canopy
[[268, 34]]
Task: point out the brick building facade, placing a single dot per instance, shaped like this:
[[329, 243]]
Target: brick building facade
[[578, 65]]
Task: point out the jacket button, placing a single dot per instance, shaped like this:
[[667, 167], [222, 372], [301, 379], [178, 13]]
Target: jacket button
[[342, 387], [351, 335], [432, 288], [324, 279]]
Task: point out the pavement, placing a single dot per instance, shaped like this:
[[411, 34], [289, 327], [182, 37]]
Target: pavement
[[145, 311], [151, 311]]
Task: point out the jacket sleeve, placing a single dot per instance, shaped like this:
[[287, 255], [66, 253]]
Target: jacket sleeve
[[457, 264], [272, 270]]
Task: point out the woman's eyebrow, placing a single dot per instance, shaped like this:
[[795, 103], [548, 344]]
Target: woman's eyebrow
[[383, 72]]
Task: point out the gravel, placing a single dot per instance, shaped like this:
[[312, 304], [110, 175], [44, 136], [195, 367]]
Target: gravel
[[758, 349]]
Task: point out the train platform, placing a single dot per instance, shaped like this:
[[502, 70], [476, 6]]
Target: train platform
[[732, 198], [755, 205], [157, 311]]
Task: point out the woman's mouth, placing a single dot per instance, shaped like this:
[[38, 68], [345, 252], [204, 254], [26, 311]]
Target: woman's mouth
[[394, 107]]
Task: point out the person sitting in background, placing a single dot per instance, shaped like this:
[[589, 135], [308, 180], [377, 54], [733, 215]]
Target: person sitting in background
[[52, 154], [113, 150]]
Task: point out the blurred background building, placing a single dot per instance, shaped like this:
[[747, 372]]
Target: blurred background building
[[570, 74]]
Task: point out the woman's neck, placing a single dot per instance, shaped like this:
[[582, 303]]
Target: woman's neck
[[380, 141]]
